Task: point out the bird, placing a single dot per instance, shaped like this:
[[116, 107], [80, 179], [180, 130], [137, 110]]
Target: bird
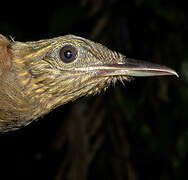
[[38, 76]]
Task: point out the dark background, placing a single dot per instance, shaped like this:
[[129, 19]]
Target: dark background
[[137, 131]]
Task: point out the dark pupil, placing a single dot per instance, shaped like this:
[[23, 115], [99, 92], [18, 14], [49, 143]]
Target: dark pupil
[[68, 54]]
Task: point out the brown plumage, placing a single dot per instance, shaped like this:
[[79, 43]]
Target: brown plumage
[[36, 77]]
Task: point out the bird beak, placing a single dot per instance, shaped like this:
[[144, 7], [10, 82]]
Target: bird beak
[[131, 67]]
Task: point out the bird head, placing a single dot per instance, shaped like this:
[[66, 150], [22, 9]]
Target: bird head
[[48, 73]]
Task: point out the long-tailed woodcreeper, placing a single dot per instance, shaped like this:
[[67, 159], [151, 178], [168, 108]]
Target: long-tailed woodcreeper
[[36, 77]]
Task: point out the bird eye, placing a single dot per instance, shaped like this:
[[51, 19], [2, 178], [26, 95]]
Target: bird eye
[[68, 53]]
